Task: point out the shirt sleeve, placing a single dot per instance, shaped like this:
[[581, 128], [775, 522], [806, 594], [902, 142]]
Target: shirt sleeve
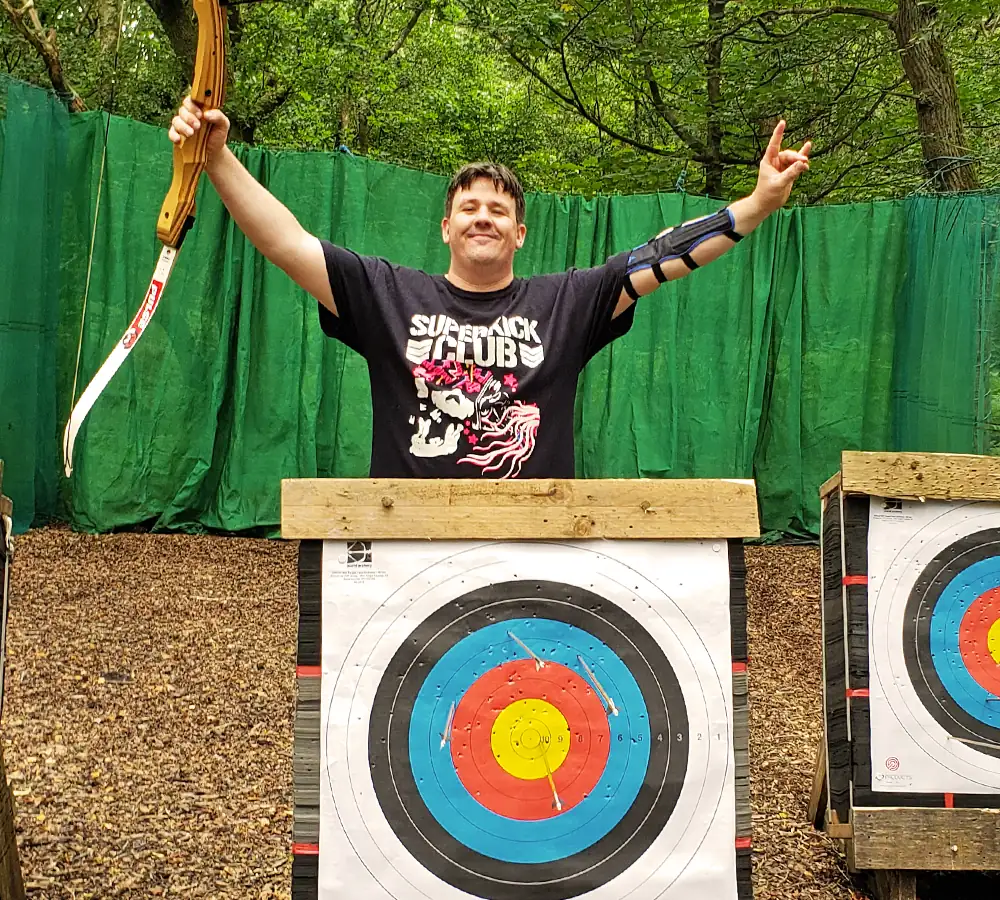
[[355, 281], [600, 289]]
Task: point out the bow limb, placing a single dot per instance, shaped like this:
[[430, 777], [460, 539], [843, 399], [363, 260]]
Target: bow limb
[[176, 214]]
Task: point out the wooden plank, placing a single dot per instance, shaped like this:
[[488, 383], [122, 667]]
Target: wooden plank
[[329, 508], [818, 796], [830, 485], [6, 505], [927, 839], [921, 476]]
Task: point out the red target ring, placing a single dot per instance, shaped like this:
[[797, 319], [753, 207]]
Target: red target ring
[[472, 731], [974, 636]]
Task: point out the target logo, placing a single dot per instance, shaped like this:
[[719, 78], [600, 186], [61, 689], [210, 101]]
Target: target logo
[[892, 764], [359, 553]]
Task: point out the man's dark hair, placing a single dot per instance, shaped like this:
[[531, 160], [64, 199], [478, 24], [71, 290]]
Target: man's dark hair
[[503, 180]]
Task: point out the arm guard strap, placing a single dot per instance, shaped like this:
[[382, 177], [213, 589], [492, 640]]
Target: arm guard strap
[[677, 243]]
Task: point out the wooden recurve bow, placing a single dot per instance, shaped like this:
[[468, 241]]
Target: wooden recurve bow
[[177, 212]]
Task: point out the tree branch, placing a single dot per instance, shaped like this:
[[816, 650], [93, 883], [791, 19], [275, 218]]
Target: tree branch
[[864, 117], [26, 21], [662, 110], [862, 11], [405, 33]]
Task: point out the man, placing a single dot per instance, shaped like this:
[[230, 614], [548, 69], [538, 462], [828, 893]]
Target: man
[[474, 373]]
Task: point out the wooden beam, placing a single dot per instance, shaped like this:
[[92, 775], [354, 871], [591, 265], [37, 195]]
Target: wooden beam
[[818, 796], [830, 485], [927, 839], [921, 476], [6, 506], [449, 509]]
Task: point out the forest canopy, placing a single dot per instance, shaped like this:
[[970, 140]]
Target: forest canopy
[[587, 96]]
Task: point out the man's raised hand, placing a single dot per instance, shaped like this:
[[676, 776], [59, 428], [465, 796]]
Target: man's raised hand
[[190, 117], [778, 171]]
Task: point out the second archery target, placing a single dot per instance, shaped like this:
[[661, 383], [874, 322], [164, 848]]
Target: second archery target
[[546, 720], [934, 646]]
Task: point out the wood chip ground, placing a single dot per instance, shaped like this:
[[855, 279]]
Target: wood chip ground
[[147, 722]]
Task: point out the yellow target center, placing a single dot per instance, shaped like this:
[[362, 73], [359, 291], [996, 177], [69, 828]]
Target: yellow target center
[[530, 739], [993, 642]]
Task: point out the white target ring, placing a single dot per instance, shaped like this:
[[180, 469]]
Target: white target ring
[[362, 828], [902, 563]]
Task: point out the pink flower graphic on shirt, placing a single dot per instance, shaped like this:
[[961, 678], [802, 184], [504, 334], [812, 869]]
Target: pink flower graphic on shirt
[[462, 400]]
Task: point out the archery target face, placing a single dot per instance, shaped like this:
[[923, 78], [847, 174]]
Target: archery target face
[[524, 720], [934, 646]]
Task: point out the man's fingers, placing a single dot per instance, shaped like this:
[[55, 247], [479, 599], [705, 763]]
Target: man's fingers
[[789, 157], [183, 127], [774, 145], [191, 118], [793, 172], [192, 107], [215, 117]]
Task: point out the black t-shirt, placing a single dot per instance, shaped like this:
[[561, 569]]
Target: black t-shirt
[[468, 384]]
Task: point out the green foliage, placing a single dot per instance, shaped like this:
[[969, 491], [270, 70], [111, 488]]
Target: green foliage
[[579, 95]]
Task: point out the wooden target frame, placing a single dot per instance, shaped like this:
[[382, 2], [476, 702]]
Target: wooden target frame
[[316, 511], [11, 879], [889, 833]]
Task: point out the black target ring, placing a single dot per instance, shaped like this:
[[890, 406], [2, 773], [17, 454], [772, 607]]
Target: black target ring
[[917, 627], [400, 799]]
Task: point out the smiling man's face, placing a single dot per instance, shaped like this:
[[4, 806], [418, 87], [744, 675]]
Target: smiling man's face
[[482, 228]]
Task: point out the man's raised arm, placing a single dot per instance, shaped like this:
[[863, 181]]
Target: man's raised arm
[[268, 224], [676, 252]]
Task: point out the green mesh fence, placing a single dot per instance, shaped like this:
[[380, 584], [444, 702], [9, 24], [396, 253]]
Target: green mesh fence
[[846, 327]]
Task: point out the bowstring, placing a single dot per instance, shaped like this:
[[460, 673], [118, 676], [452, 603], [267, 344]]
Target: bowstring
[[97, 203]]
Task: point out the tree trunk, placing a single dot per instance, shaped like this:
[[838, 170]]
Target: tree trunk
[[713, 73], [939, 113], [180, 27], [108, 24]]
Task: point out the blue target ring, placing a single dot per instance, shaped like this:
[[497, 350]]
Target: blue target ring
[[460, 814], [946, 653]]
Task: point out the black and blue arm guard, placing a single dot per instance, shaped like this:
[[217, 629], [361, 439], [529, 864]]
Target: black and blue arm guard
[[677, 243]]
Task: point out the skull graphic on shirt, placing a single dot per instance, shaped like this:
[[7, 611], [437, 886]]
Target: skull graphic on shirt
[[465, 407]]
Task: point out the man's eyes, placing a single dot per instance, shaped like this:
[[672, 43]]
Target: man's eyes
[[494, 210]]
